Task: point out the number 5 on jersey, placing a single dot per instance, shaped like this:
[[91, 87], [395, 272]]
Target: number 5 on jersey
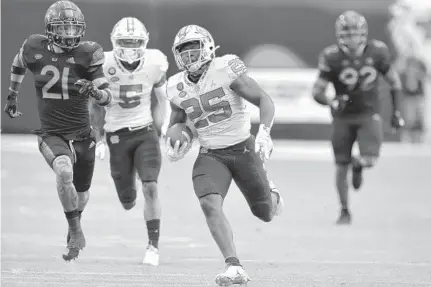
[[210, 103], [56, 75]]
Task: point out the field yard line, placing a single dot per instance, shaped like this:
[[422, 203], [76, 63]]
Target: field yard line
[[209, 259]]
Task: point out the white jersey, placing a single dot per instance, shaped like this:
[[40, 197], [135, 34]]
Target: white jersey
[[131, 91], [219, 115]]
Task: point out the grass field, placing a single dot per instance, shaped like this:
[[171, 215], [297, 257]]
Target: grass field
[[388, 244]]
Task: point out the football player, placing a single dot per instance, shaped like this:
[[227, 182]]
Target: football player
[[67, 73], [133, 72], [354, 66], [212, 92]]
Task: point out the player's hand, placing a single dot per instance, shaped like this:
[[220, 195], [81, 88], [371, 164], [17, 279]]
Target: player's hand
[[88, 89], [11, 108], [339, 102], [263, 143], [397, 121], [177, 152], [101, 149]]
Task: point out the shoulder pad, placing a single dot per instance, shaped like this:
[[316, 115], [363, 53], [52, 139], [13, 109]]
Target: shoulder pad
[[326, 56], [35, 41], [378, 44], [330, 50], [159, 59], [95, 50], [232, 64]]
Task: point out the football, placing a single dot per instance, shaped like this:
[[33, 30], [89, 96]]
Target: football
[[180, 132]]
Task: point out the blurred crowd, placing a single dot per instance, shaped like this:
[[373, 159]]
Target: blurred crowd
[[409, 28]]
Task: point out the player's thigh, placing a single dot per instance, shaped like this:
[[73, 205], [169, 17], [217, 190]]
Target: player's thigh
[[210, 176], [84, 167], [343, 137], [249, 174], [52, 146], [147, 156], [370, 136], [410, 111], [122, 169]]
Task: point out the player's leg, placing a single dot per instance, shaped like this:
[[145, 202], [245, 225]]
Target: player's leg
[[211, 181], [59, 156], [250, 176], [147, 160], [83, 172], [342, 139], [122, 169], [370, 137]]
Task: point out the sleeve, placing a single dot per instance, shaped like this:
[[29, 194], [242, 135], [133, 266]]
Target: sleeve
[[324, 66], [383, 57], [162, 66], [233, 67]]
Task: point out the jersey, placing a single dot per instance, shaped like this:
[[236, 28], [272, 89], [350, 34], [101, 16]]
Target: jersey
[[218, 114], [131, 90], [62, 110], [357, 77]]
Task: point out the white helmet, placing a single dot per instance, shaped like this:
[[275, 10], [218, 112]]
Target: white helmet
[[194, 33], [129, 38]]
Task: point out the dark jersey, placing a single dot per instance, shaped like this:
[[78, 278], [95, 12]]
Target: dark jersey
[[357, 77], [62, 110]]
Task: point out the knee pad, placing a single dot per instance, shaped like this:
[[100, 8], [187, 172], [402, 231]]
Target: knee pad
[[150, 189], [262, 211], [63, 167]]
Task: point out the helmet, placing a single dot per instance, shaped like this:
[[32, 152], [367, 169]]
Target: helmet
[[64, 24], [205, 52], [129, 38], [351, 29]]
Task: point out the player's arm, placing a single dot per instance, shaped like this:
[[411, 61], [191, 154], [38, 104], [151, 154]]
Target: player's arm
[[388, 71], [95, 84], [17, 73], [322, 82], [390, 74], [160, 91], [394, 81], [97, 119], [249, 89], [178, 115]]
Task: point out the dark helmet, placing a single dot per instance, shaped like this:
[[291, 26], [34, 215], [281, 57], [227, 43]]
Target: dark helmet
[[351, 29], [65, 24]]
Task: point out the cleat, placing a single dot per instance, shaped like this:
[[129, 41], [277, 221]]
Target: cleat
[[232, 275], [280, 203], [344, 218], [151, 256], [356, 175], [74, 245]]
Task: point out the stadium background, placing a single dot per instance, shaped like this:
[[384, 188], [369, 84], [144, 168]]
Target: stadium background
[[274, 36]]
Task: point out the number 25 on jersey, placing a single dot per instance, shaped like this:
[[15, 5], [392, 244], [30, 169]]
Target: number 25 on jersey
[[209, 103]]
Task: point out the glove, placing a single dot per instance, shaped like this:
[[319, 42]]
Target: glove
[[397, 121], [176, 152], [263, 143], [339, 103], [88, 89], [11, 108], [101, 149]]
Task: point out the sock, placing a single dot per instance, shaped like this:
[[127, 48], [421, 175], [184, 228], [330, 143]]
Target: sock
[[73, 219], [80, 214], [232, 261], [153, 228]]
